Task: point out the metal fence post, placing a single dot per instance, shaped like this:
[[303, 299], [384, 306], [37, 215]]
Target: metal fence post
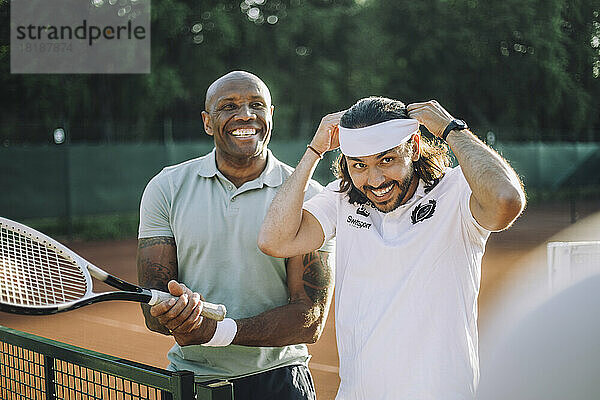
[[184, 389], [49, 377], [214, 390]]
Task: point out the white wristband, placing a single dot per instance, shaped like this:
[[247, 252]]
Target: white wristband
[[224, 334]]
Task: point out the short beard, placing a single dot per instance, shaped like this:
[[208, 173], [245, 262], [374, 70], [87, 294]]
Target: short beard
[[404, 186]]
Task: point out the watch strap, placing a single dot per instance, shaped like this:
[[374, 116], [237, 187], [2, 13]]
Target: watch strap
[[454, 124]]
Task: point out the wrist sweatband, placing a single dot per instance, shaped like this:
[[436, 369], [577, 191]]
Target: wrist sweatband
[[224, 334]]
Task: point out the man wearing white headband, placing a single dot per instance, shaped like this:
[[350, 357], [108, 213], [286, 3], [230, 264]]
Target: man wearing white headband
[[411, 232]]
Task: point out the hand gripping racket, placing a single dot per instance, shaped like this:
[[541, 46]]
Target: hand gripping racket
[[40, 276]]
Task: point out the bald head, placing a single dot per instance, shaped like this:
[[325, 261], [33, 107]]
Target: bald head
[[239, 77]]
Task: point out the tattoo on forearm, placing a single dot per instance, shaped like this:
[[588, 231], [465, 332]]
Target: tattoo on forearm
[[147, 242], [156, 266], [155, 269], [155, 275], [316, 276]]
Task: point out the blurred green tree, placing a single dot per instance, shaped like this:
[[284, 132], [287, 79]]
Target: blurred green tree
[[526, 69], [522, 67]]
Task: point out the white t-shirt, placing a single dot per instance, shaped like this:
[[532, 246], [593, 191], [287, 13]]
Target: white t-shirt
[[406, 290]]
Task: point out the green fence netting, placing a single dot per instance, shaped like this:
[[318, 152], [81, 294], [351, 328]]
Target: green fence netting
[[82, 179]]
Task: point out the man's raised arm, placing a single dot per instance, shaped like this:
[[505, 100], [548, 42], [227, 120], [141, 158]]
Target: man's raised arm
[[288, 230]]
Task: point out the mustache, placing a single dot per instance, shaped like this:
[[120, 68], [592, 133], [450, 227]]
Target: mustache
[[384, 185]]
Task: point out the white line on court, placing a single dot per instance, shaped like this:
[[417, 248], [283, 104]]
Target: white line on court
[[115, 324]]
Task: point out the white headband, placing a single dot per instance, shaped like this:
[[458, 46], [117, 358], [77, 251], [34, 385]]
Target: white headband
[[376, 138]]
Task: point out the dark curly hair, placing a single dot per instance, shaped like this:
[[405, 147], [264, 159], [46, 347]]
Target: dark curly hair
[[434, 158]]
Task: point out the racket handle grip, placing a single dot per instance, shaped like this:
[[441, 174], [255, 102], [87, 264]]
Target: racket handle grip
[[209, 310], [213, 311]]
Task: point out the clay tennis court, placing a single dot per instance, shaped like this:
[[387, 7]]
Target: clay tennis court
[[117, 328]]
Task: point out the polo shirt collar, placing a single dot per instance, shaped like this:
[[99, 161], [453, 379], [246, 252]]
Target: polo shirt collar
[[271, 176], [207, 168], [420, 191]]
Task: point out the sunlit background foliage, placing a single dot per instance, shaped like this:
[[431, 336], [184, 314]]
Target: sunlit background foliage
[[526, 70]]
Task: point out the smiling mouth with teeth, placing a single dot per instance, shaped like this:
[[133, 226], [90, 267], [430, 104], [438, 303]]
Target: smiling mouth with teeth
[[244, 132], [381, 192]]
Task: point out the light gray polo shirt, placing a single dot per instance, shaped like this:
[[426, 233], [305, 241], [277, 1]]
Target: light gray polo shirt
[[215, 226]]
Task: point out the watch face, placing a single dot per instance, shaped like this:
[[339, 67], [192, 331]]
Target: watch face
[[460, 124]]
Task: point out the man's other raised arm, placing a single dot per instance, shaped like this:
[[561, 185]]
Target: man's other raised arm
[[498, 197]]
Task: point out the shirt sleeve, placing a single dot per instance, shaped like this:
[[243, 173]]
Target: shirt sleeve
[[323, 207], [465, 206], [154, 209]]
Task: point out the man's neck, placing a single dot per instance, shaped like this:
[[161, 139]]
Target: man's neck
[[241, 170]]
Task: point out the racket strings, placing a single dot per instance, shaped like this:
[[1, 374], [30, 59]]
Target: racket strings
[[32, 274]]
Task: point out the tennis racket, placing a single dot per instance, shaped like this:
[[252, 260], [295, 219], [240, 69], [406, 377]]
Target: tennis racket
[[40, 276]]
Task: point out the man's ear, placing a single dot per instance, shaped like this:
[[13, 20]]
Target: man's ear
[[416, 147], [272, 109], [206, 121]]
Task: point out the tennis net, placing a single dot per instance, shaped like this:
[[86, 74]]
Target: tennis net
[[32, 367]]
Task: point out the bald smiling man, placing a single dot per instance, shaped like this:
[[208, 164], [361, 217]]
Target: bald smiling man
[[199, 224]]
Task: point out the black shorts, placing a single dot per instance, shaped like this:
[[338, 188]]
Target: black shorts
[[293, 382]]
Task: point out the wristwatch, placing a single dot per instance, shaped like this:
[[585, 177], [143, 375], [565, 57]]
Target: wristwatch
[[455, 124]]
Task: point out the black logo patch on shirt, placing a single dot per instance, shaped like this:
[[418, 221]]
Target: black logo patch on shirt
[[362, 210], [423, 211]]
